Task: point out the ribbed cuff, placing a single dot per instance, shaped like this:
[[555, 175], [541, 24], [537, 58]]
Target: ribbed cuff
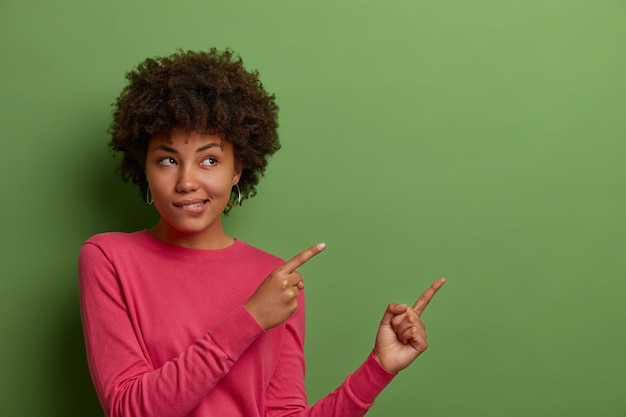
[[236, 332], [370, 379]]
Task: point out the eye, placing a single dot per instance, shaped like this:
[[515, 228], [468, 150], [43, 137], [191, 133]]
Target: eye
[[167, 161], [210, 161]]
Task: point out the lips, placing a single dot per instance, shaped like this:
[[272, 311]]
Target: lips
[[191, 204]]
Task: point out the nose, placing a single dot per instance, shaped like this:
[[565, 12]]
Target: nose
[[187, 181]]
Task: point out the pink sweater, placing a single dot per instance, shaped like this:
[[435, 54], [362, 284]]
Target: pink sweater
[[167, 335]]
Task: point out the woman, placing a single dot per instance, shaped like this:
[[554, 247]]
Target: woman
[[182, 319]]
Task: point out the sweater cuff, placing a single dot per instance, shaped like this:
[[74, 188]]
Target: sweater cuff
[[236, 332], [370, 379]]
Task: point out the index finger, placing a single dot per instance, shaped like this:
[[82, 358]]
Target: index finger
[[424, 299], [303, 257]]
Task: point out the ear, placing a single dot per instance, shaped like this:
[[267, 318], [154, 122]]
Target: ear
[[237, 174]]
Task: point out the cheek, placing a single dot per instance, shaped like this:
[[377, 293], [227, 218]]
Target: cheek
[[154, 182], [161, 187], [220, 186], [150, 173]]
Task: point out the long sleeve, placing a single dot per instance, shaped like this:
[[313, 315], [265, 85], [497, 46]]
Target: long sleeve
[[286, 395], [126, 381], [167, 335]]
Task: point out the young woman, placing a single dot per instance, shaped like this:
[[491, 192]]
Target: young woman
[[183, 319]]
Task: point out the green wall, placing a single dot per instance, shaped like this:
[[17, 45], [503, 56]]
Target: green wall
[[478, 140]]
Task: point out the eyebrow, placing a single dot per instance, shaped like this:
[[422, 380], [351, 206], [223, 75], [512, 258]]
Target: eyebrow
[[200, 149]]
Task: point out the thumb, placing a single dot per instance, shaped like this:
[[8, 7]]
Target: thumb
[[392, 310]]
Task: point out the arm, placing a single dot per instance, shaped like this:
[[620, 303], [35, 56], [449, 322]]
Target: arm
[[125, 380], [400, 339], [286, 394], [279, 300]]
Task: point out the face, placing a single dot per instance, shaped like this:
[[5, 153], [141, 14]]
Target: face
[[191, 176]]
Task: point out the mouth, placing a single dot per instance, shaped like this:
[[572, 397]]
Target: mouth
[[191, 204]]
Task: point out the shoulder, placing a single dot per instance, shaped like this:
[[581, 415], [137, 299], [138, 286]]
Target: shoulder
[[245, 260], [113, 244], [255, 254], [115, 239], [113, 252]]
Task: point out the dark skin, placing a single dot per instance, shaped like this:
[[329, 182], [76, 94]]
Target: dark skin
[[401, 335], [191, 176]]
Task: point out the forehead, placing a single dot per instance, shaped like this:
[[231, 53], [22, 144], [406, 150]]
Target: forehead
[[187, 139]]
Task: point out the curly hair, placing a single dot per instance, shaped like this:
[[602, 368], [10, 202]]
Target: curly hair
[[207, 92]]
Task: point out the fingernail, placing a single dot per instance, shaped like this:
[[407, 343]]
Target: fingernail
[[402, 305], [321, 246]]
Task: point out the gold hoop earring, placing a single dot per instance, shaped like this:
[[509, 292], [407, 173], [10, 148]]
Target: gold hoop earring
[[230, 203], [148, 196]]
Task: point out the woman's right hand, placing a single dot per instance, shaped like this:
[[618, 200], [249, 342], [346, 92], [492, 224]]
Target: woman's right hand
[[401, 335], [276, 299]]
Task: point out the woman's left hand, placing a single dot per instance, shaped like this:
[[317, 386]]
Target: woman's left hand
[[401, 336]]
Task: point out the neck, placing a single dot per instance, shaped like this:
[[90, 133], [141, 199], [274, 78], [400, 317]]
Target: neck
[[207, 240]]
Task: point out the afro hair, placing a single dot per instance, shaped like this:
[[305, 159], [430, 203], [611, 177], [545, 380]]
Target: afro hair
[[207, 92]]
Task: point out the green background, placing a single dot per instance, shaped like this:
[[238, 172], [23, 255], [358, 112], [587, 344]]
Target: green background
[[482, 141]]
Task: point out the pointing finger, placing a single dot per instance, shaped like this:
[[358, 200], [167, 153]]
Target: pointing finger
[[424, 299], [301, 258]]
